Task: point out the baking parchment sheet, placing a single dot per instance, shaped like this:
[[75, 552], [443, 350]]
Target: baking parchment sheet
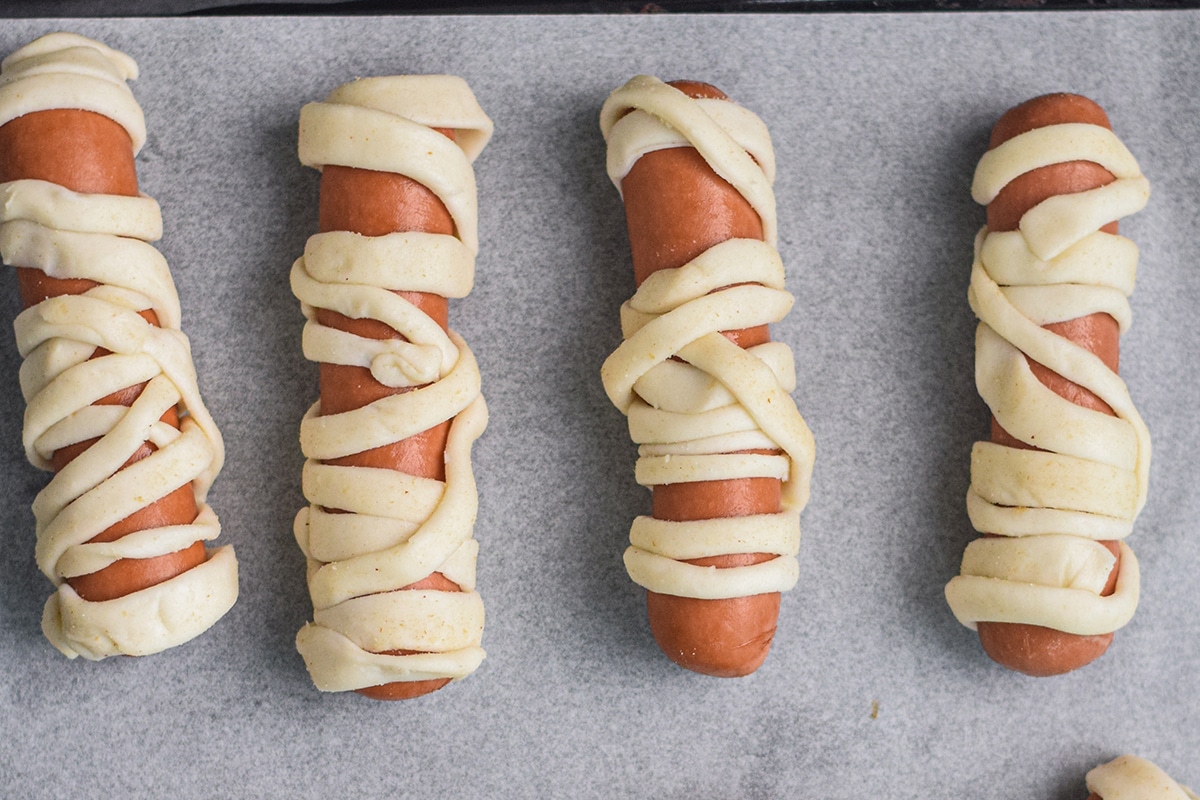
[[872, 688]]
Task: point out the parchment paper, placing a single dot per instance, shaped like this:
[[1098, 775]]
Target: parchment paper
[[872, 689]]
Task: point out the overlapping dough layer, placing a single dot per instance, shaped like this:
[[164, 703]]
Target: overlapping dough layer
[[106, 239], [694, 398], [1088, 479], [1133, 778], [400, 528]]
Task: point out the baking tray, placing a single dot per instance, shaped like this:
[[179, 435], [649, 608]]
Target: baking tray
[[872, 688]]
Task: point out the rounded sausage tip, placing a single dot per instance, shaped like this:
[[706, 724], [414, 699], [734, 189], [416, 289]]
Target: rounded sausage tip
[[1039, 652], [720, 638], [402, 690], [1044, 652], [1048, 109]]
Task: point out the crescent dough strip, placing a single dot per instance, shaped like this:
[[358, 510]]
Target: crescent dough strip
[[394, 261], [1133, 778], [735, 143], [1052, 144], [395, 417], [1058, 222], [1080, 611], [660, 385], [351, 132], [144, 622], [113, 260], [439, 535], [72, 88], [757, 533], [1054, 422], [397, 529], [118, 66], [337, 664], [51, 205], [690, 417], [710, 583], [106, 239], [1051, 560], [1088, 479], [1098, 259]]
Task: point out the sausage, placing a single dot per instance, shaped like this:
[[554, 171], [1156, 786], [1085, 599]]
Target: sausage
[[357, 200], [677, 209], [82, 150], [729, 637], [91, 154], [1042, 650], [1131, 776], [98, 160], [1032, 649], [375, 204]]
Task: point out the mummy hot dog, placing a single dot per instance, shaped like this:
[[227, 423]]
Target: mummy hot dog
[[388, 534], [113, 407], [1133, 778], [1065, 474], [721, 443]]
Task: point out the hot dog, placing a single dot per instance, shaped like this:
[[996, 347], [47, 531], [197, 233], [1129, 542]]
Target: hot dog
[[723, 447], [388, 533], [113, 406], [1065, 474], [1133, 778]]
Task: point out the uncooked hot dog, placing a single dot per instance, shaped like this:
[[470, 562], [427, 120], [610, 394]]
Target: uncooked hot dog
[[65, 172], [682, 219], [376, 212], [1054, 277]]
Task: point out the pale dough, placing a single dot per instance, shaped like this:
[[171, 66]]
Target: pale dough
[[401, 528], [106, 239], [690, 415], [1133, 778], [1088, 479]]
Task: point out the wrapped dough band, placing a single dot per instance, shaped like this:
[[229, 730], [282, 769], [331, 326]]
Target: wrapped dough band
[[113, 407], [1065, 473], [1133, 778], [722, 446], [388, 532]]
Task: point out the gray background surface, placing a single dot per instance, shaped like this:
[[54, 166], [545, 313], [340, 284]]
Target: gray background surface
[[878, 121]]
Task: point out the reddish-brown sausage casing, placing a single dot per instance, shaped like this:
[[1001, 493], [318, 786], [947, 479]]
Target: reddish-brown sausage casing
[[678, 208]]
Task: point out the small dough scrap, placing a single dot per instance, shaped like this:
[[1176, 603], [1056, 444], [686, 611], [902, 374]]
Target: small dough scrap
[[1133, 778], [694, 398], [1088, 478], [396, 529], [106, 239]]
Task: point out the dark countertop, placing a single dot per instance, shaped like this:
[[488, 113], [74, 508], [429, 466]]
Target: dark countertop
[[158, 8]]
